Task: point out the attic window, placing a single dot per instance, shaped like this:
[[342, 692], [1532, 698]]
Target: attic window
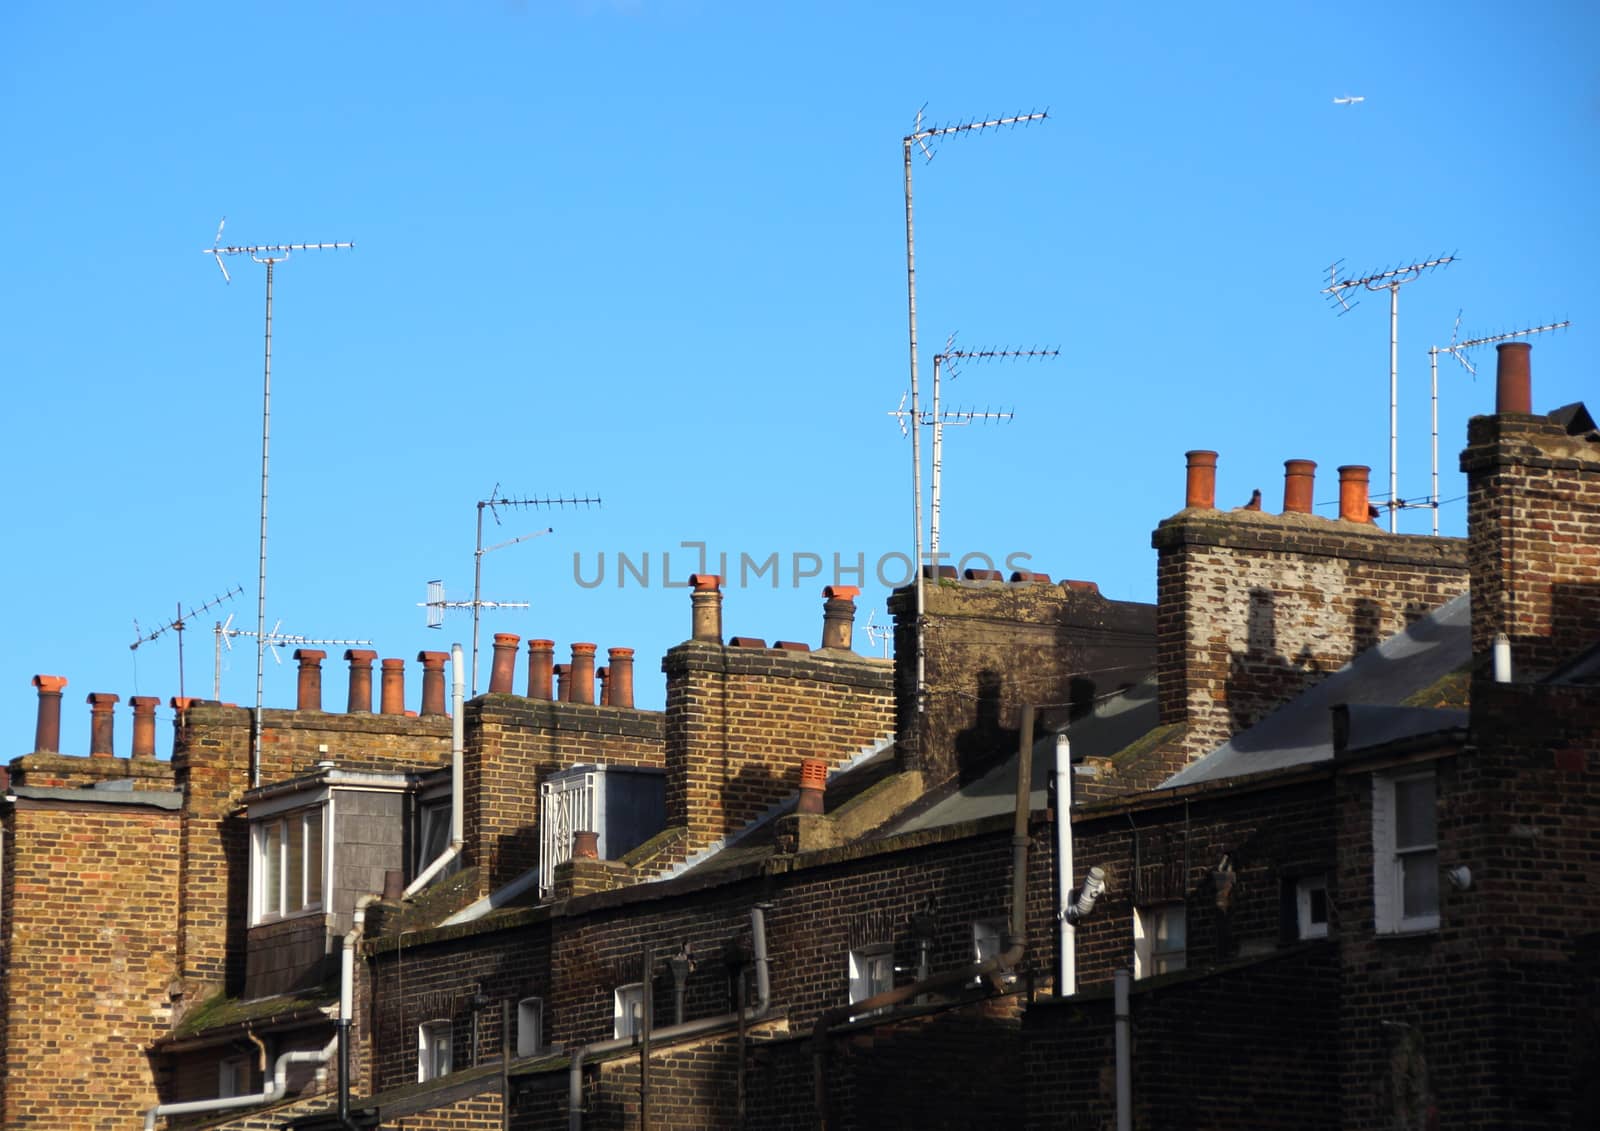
[[287, 864]]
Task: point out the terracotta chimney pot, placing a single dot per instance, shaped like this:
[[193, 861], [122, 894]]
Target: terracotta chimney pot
[[621, 676], [838, 616], [1201, 487], [585, 845], [101, 725], [1513, 378], [144, 725], [308, 690], [505, 662], [1299, 481], [433, 681], [813, 784], [1353, 494], [360, 680], [582, 674], [562, 673], [394, 687], [541, 654], [47, 731], [602, 677], [705, 622]]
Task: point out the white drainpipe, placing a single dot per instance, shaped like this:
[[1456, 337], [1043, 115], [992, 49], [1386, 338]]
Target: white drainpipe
[[1067, 933], [458, 744], [275, 1089]]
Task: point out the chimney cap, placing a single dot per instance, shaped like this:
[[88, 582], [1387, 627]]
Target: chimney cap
[[50, 682], [705, 582], [841, 592]]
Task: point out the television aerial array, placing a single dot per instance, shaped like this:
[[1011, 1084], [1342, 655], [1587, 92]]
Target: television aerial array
[[225, 632], [177, 625]]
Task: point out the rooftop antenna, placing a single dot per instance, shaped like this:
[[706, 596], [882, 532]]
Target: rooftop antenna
[[225, 632], [269, 256], [878, 633], [920, 137], [437, 604], [177, 624], [1391, 280], [492, 505], [948, 359], [1458, 350]]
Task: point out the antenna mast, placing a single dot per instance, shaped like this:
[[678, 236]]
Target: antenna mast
[[269, 255], [177, 624], [225, 632], [1391, 280], [920, 136], [1457, 350]]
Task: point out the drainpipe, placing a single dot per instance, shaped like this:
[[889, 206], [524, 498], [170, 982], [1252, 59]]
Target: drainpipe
[[758, 936], [275, 1089], [1067, 933], [347, 983], [1124, 1058], [458, 743], [1016, 944]]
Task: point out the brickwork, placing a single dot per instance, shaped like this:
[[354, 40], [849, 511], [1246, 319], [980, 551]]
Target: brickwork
[[514, 744], [740, 720], [1254, 608], [69, 771], [89, 954], [990, 646], [1533, 509]]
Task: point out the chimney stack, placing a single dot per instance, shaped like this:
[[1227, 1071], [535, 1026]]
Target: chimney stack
[[582, 674], [433, 682], [838, 615], [505, 662], [563, 674], [101, 725], [394, 687], [1299, 482], [1353, 494], [1513, 378], [1201, 486], [360, 680], [706, 618], [541, 654], [308, 692], [813, 783], [621, 676], [47, 733], [144, 725]]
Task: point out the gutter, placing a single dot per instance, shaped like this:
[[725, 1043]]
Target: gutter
[[458, 743], [755, 1013]]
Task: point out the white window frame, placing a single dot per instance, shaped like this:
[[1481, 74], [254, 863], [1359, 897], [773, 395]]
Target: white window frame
[[530, 1026], [988, 939], [871, 971], [429, 1035], [1307, 926], [1151, 956], [627, 1010], [311, 886], [233, 1076], [1391, 860]]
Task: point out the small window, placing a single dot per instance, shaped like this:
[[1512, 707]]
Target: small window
[[627, 1010], [1160, 940], [433, 831], [433, 1050], [986, 936], [871, 972], [1405, 853], [233, 1077], [289, 863], [530, 1026], [1311, 907]]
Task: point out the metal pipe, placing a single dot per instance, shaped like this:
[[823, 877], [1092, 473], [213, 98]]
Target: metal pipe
[[261, 572], [1066, 931], [1019, 833], [647, 1022], [750, 1016], [274, 1090], [1433, 375], [916, 445], [1124, 1056], [458, 743], [1394, 403]]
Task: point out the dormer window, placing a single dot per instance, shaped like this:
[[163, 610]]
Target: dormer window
[[289, 862]]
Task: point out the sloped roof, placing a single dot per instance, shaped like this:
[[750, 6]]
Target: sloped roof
[[1386, 675]]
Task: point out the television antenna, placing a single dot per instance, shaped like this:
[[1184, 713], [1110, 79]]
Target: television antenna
[[1391, 280], [269, 256], [225, 632], [920, 137], [878, 633], [177, 625], [1458, 350]]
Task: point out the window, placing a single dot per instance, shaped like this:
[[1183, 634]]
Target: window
[[871, 972], [1405, 853], [627, 1010], [1311, 907], [1159, 939], [530, 1026], [289, 863], [986, 936], [433, 1050], [233, 1077], [433, 831]]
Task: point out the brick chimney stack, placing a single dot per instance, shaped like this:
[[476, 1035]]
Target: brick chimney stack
[[101, 724], [308, 689], [47, 732], [360, 680], [541, 656], [706, 618]]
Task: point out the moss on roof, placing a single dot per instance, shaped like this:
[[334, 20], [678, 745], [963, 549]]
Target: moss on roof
[[1451, 690], [220, 1010]]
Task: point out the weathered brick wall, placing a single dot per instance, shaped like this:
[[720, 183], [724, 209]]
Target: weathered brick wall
[[1252, 1045], [72, 771], [740, 720], [513, 745], [990, 646], [90, 945], [1253, 608], [1533, 512]]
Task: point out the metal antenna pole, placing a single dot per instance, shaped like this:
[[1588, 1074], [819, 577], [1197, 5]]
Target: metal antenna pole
[[269, 255], [177, 624], [920, 136], [1391, 281]]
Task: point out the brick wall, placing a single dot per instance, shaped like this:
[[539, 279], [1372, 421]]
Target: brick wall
[[90, 944], [1533, 512], [1253, 608], [989, 647], [739, 721], [514, 744]]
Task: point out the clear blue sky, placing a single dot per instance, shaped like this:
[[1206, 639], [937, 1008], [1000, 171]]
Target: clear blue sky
[[654, 251]]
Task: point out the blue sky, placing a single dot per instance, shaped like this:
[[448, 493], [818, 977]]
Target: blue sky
[[654, 252]]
